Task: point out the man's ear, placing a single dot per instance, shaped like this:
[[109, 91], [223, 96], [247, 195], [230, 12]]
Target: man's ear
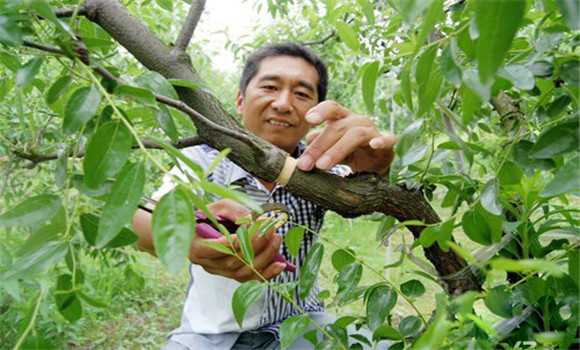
[[239, 102]]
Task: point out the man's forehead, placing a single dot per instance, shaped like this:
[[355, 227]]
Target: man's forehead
[[287, 66]]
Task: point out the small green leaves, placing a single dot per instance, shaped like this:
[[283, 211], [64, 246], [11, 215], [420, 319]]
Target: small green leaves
[[369, 82], [497, 23], [348, 278], [341, 258], [67, 302], [80, 108], [107, 152], [347, 34], [386, 332], [292, 328], [380, 301], [173, 228], [157, 83], [27, 72], [293, 240], [565, 180], [244, 297], [481, 226], [409, 325], [31, 211], [245, 240], [413, 288], [122, 202], [309, 270]]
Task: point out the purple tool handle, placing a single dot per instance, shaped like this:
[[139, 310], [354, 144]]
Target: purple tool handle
[[205, 229]]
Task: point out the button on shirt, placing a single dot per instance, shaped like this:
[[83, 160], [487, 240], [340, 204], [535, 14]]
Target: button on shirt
[[207, 308]]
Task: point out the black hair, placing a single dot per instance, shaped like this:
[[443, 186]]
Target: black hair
[[286, 49]]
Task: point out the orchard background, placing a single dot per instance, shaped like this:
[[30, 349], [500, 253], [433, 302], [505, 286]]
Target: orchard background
[[483, 93]]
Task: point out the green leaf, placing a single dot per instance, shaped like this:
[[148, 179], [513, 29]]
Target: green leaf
[[67, 303], [369, 82], [219, 247], [510, 173], [36, 261], [165, 120], [434, 13], [348, 278], [429, 79], [91, 301], [498, 302], [569, 71], [309, 270], [408, 137], [27, 72], [188, 84], [471, 103], [49, 231], [347, 34], [245, 240], [293, 239], [58, 88], [521, 154], [449, 67], [410, 9], [405, 78], [527, 265], [490, 197], [244, 297], [44, 10], [177, 154], [386, 332], [519, 75], [497, 22], [172, 227], [413, 288], [107, 151], [31, 211], [292, 328], [10, 33], [440, 233], [474, 83], [101, 192], [135, 92], [157, 83], [409, 325], [565, 180], [481, 226], [237, 196], [434, 335], [558, 106], [90, 227], [574, 265], [341, 258], [80, 108], [165, 4], [122, 202], [380, 301], [570, 10], [557, 140]]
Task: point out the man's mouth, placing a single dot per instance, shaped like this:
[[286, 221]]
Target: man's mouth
[[278, 123]]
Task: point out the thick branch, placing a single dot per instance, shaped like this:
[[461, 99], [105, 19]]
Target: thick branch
[[190, 24], [356, 195], [39, 158]]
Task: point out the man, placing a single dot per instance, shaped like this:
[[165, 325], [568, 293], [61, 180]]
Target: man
[[282, 95]]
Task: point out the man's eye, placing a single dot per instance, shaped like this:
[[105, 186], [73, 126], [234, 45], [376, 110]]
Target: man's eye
[[269, 87], [302, 94]]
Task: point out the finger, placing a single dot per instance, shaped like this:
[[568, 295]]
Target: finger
[[267, 255], [261, 243], [326, 111], [198, 251], [273, 270], [261, 261], [384, 142], [350, 142], [229, 209], [312, 136]]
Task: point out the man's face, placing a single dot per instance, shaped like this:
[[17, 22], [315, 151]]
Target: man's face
[[277, 99]]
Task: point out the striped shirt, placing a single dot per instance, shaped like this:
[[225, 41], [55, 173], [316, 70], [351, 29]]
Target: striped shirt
[[208, 303]]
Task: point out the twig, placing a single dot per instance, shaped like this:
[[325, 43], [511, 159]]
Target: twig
[[43, 47], [68, 12], [39, 158], [191, 22], [321, 41]]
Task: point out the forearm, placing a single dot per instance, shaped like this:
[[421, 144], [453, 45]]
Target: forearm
[[142, 227]]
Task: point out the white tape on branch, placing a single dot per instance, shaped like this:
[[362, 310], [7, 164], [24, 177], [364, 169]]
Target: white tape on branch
[[287, 171]]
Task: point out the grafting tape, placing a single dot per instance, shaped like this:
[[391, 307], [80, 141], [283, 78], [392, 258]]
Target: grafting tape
[[287, 171]]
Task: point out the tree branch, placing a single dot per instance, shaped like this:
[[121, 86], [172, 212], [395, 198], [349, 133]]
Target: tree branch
[[68, 12], [351, 196], [190, 24], [321, 41], [40, 158], [43, 47]]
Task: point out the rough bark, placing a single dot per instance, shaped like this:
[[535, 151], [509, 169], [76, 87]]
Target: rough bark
[[351, 196]]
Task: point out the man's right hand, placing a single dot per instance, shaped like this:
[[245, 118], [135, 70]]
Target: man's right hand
[[218, 263]]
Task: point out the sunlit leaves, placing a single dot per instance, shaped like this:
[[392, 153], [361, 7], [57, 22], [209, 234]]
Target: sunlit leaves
[[80, 108], [369, 82], [10, 33], [527, 265], [347, 34], [244, 297], [107, 151], [309, 270], [380, 301], [293, 240], [490, 197], [172, 228], [122, 202], [497, 24]]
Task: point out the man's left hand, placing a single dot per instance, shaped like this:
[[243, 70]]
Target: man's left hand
[[347, 138]]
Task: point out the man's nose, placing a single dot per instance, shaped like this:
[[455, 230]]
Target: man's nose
[[283, 102]]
